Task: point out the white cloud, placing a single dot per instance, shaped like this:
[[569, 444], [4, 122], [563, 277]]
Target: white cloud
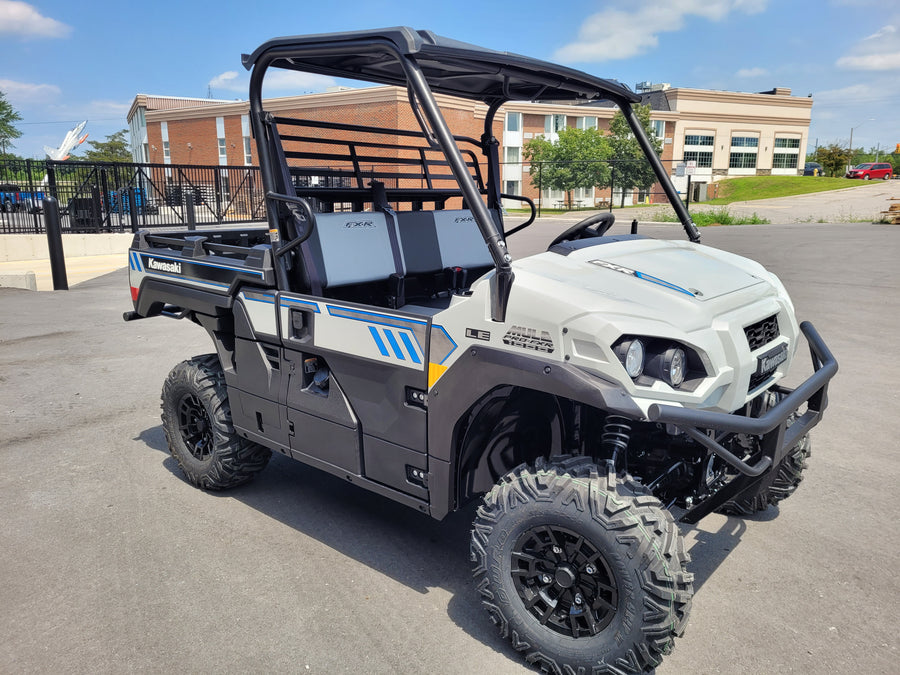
[[882, 32], [277, 80], [752, 72], [297, 82], [620, 33], [26, 93], [228, 80], [876, 52], [20, 18], [889, 61]]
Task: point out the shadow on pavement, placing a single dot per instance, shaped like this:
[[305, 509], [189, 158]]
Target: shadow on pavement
[[405, 545]]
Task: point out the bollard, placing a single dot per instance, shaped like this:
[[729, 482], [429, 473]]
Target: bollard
[[54, 244], [131, 196]]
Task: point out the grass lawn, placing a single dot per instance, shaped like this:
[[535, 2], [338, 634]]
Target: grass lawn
[[766, 187]]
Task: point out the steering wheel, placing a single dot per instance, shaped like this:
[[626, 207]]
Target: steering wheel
[[592, 226]]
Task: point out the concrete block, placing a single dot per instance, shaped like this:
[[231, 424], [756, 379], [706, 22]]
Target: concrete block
[[25, 280]]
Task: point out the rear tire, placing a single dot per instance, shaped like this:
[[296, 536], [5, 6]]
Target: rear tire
[[582, 572], [196, 418], [783, 484]]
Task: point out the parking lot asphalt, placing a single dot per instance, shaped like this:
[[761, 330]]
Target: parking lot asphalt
[[110, 562]]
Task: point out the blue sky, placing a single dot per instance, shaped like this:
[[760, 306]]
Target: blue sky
[[62, 62]]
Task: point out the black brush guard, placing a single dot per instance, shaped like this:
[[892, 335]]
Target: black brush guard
[[777, 438]]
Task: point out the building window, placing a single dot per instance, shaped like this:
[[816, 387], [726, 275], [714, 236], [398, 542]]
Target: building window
[[513, 154], [585, 122], [695, 139], [513, 121], [783, 160], [744, 142], [658, 127], [248, 152], [223, 152], [703, 159], [742, 160], [787, 143], [511, 187], [553, 124], [167, 154]]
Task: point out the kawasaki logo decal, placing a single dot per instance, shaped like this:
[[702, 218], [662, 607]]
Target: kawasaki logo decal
[[164, 266]]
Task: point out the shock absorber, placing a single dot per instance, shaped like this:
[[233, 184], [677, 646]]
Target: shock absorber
[[616, 434]]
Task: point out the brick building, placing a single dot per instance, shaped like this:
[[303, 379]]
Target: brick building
[[722, 133]]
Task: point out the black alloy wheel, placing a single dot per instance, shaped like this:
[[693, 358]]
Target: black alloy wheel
[[564, 581]]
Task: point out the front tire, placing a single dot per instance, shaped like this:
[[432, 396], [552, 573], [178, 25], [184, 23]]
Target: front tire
[[196, 418], [581, 571]]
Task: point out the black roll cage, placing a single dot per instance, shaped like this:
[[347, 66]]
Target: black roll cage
[[425, 64]]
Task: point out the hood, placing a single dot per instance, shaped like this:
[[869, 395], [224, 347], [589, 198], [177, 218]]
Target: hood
[[632, 266]]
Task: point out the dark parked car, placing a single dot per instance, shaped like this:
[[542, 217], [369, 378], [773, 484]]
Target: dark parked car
[[871, 170], [813, 169]]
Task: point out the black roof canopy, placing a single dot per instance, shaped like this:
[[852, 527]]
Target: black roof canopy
[[449, 66]]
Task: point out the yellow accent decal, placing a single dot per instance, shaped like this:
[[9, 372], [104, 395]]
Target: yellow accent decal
[[435, 370]]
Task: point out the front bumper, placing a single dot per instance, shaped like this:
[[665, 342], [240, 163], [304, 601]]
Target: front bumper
[[777, 437]]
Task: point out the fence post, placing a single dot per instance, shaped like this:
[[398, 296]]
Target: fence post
[[612, 184], [217, 182], [189, 207], [687, 203], [105, 201], [54, 244]]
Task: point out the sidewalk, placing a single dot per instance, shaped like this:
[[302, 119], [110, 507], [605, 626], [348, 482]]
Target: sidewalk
[[36, 275]]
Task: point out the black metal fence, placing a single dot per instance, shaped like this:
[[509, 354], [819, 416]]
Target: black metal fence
[[123, 197]]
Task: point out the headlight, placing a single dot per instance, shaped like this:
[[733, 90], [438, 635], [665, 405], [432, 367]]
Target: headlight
[[631, 354], [673, 366], [650, 358]]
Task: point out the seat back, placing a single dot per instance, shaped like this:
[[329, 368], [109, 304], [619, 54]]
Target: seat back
[[460, 241], [355, 248]]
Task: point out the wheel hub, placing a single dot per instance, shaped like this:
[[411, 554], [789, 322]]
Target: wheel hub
[[565, 576], [564, 581]]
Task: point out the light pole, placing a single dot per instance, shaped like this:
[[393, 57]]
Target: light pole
[[850, 149]]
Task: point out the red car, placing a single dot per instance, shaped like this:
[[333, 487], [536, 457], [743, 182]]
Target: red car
[[871, 170]]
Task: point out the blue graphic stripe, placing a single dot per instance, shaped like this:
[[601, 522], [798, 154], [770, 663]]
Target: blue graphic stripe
[[395, 346], [378, 341], [667, 284], [452, 342], [188, 280], [410, 348], [268, 299]]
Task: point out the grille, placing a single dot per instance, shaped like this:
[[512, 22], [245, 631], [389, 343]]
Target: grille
[[762, 332], [756, 380]]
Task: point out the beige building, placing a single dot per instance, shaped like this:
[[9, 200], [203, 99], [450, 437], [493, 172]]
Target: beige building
[[718, 134]]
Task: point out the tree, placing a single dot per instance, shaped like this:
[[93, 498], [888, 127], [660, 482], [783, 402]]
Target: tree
[[632, 170], [834, 158], [579, 159], [114, 149], [8, 119]]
